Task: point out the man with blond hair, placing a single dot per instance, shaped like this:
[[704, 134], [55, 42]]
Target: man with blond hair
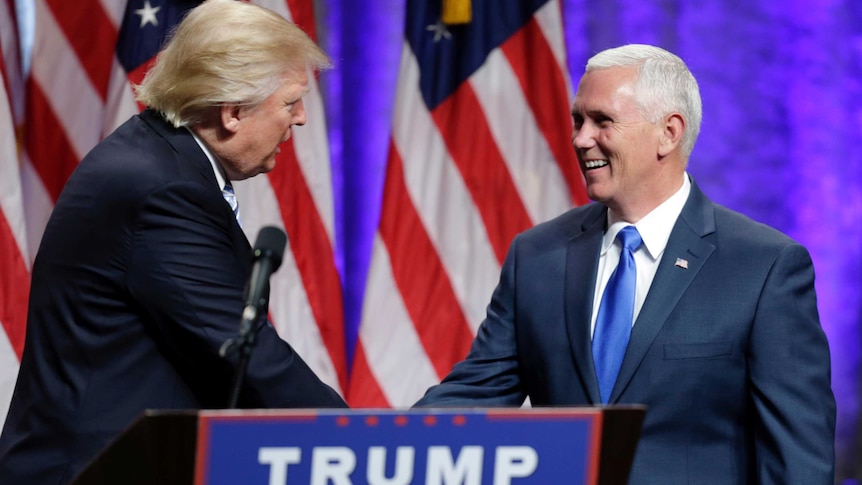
[[140, 275]]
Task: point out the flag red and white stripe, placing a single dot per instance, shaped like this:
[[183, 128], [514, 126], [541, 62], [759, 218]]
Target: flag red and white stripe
[[297, 196], [78, 92], [464, 176], [14, 261]]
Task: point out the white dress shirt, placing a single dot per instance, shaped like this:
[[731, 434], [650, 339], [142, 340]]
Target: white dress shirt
[[655, 230], [217, 170]]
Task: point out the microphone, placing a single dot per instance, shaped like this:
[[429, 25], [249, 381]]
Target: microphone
[[268, 253]]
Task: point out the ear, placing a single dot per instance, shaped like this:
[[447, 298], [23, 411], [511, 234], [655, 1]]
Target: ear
[[230, 117], [671, 135]]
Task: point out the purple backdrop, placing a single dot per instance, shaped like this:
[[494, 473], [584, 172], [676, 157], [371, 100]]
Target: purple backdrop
[[782, 114]]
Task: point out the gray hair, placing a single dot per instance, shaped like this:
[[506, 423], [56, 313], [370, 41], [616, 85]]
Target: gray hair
[[665, 85], [225, 52]]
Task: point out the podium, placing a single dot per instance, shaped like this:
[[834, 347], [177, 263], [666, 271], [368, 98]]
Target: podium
[[587, 445]]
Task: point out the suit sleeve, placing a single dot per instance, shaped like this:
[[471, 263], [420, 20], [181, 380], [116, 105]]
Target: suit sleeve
[[489, 375], [790, 377], [186, 275]]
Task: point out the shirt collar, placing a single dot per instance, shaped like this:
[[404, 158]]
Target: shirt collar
[[656, 226], [217, 170]]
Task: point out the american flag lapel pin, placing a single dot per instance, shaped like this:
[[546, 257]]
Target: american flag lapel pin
[[681, 263]]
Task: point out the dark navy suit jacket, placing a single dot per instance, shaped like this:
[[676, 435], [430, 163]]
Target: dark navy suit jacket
[[138, 281], [727, 353]]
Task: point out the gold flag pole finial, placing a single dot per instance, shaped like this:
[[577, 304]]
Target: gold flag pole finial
[[457, 12]]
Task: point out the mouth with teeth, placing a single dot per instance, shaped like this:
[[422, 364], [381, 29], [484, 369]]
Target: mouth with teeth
[[593, 164]]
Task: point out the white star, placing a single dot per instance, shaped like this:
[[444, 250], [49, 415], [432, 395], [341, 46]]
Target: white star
[[440, 31], [148, 14]]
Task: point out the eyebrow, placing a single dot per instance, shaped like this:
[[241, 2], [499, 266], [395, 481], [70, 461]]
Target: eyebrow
[[295, 99], [592, 113]]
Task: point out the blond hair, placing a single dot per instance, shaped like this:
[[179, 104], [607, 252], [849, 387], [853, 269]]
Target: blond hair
[[225, 52]]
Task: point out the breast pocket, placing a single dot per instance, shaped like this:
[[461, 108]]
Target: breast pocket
[[701, 350]]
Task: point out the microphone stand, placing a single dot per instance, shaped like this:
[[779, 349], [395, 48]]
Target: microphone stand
[[268, 252], [243, 343]]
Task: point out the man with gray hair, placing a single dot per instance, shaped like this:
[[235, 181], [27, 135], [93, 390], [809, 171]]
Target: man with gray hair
[[140, 275], [655, 295]]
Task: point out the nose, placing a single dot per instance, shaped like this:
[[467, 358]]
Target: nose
[[299, 113], [584, 136]]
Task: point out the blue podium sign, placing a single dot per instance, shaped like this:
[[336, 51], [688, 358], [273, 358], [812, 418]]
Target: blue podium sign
[[431, 446]]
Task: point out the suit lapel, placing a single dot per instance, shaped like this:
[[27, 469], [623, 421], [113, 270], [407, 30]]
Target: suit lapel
[[182, 141], [687, 244], [580, 286], [199, 165]]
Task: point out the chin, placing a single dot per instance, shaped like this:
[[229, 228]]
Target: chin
[[602, 196], [595, 192]]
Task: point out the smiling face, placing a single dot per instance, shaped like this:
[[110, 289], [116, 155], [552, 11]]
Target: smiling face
[[256, 132], [622, 155]]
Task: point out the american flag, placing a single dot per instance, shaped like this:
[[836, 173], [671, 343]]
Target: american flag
[[480, 150], [86, 55], [15, 273]]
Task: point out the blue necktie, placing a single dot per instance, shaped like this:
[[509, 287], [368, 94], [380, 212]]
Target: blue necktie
[[616, 311], [230, 197]]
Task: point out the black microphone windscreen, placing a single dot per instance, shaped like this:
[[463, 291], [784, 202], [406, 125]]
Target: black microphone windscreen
[[271, 240]]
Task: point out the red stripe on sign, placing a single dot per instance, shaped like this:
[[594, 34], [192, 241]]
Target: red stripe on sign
[[364, 390], [92, 35], [528, 52], [47, 143], [14, 288], [420, 276], [313, 253], [469, 141]]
